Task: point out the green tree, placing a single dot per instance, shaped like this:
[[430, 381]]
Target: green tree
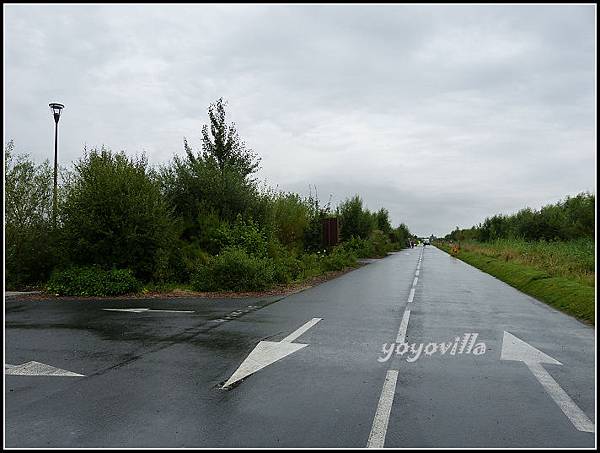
[[355, 220], [290, 218], [401, 235], [30, 250], [382, 219], [215, 181], [115, 215], [313, 240], [221, 143]]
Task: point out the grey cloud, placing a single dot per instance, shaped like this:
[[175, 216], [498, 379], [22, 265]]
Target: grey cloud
[[443, 114]]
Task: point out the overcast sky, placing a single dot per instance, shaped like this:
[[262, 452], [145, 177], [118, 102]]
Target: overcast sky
[[442, 114]]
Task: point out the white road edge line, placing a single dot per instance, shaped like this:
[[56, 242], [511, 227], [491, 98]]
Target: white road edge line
[[411, 296], [415, 281], [296, 333], [384, 408]]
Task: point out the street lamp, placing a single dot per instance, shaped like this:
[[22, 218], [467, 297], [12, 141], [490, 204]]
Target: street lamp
[[56, 109]]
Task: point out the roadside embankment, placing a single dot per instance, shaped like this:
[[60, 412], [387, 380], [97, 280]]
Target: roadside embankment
[[533, 270]]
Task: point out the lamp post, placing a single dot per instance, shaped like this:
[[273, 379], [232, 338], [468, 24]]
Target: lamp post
[[56, 109]]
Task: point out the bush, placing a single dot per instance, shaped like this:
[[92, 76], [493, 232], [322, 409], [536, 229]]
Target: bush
[[188, 256], [400, 236], [115, 215], [338, 259], [245, 235], [234, 270], [286, 265], [380, 243], [309, 265], [362, 248], [92, 281], [290, 218], [377, 246], [313, 240]]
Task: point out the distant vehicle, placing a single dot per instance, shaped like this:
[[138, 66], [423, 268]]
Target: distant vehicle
[[426, 242]]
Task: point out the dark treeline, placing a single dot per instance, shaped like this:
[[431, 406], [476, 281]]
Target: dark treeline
[[202, 219], [569, 219]]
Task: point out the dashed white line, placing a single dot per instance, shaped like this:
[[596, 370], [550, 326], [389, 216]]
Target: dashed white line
[[403, 327], [384, 408], [386, 400]]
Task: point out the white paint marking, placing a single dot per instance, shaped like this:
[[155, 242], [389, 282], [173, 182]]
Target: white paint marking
[[296, 333], [36, 369], [144, 310], [386, 400], [384, 408], [267, 352], [579, 419], [403, 327], [514, 348]]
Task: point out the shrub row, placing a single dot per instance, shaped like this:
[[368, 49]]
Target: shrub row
[[571, 218], [234, 269], [93, 281], [203, 217]]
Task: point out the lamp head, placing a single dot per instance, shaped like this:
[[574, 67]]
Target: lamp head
[[56, 109]]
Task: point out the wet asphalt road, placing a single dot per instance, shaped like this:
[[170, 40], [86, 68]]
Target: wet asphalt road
[[153, 379]]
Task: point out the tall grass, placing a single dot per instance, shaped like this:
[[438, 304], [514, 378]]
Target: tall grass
[[570, 259]]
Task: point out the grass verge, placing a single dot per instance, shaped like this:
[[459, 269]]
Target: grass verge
[[566, 294]]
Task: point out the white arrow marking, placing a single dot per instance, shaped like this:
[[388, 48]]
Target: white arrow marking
[[296, 333], [36, 369], [267, 352], [143, 310], [514, 348]]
